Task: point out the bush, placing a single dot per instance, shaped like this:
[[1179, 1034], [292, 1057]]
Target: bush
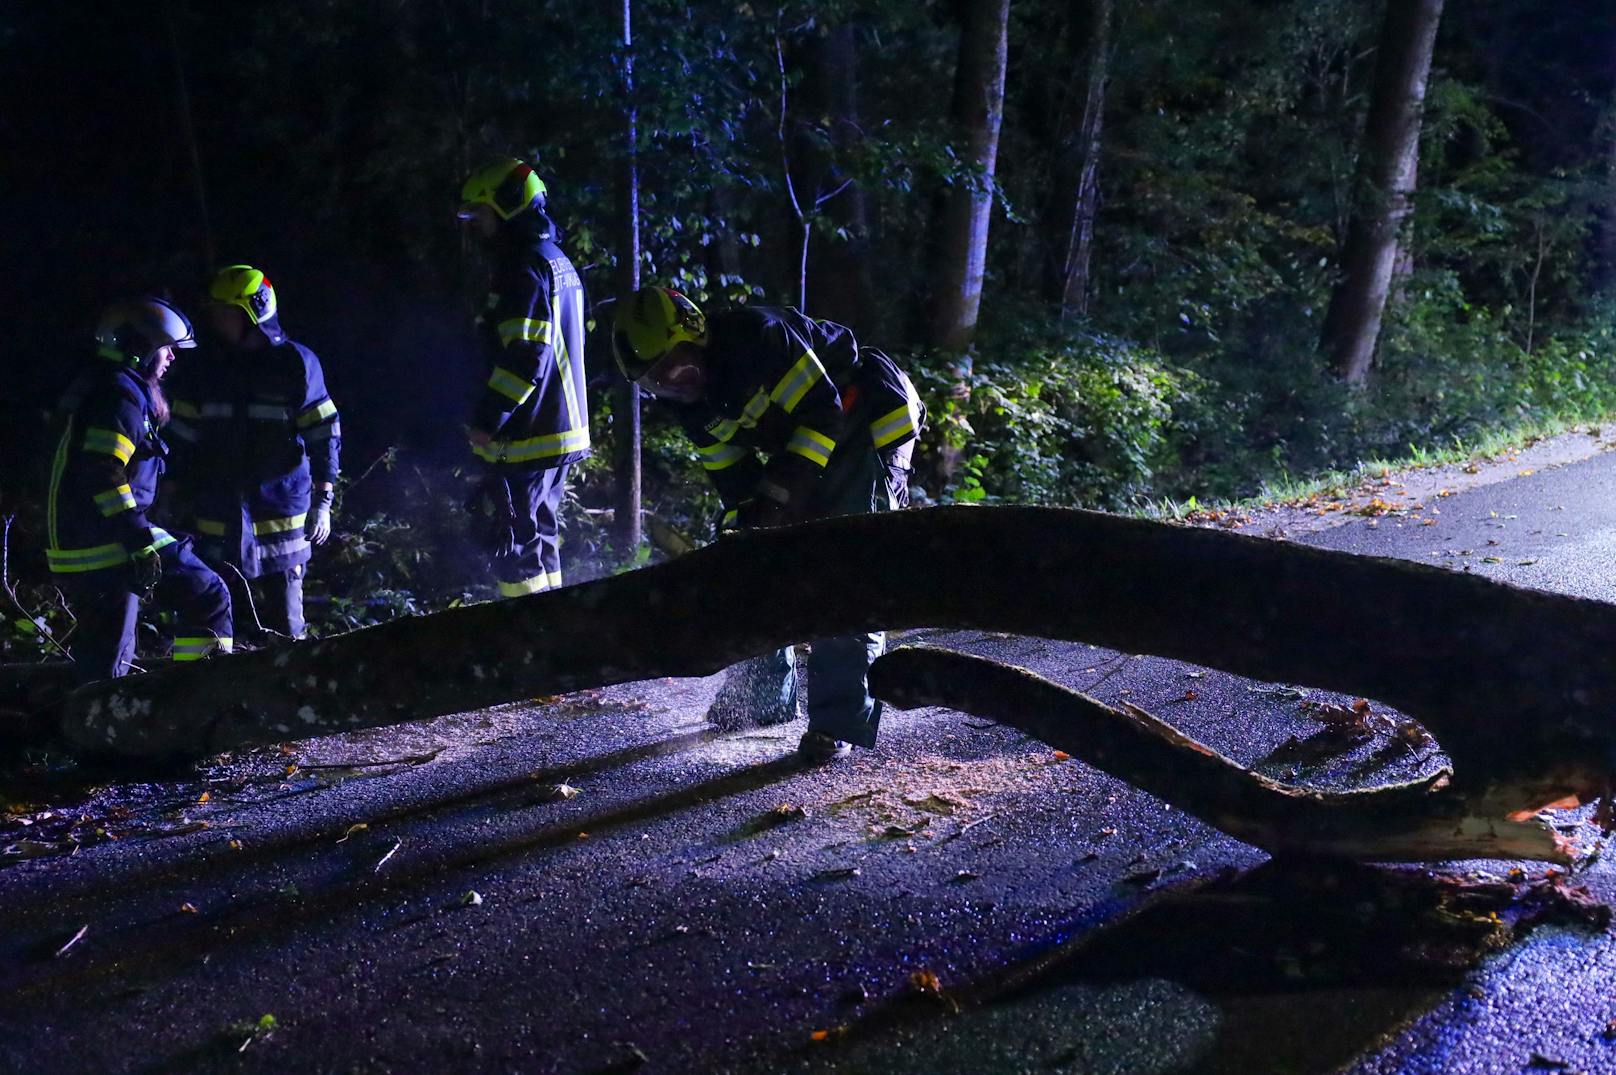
[[1053, 417]]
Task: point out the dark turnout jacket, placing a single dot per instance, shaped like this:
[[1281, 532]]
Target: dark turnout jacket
[[532, 328], [104, 471], [258, 429], [786, 397]]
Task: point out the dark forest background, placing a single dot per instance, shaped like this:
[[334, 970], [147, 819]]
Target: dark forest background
[[1167, 205]]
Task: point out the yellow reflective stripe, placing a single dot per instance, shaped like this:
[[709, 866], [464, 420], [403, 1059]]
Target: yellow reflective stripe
[[217, 410], [279, 526], [521, 328], [269, 412], [71, 561], [890, 427], [112, 501], [802, 376], [723, 429], [721, 456], [58, 466], [196, 647], [212, 527], [510, 385], [811, 445], [564, 363], [317, 413], [754, 409], [530, 448], [109, 442], [537, 584], [184, 408], [183, 430]]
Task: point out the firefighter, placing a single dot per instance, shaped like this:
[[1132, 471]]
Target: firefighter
[[792, 421], [265, 437], [531, 421], [109, 455]]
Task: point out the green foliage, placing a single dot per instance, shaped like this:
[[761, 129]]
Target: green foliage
[[1056, 418]]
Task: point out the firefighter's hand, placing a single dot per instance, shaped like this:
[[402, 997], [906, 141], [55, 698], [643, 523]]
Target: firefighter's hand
[[147, 568], [319, 525], [479, 438]]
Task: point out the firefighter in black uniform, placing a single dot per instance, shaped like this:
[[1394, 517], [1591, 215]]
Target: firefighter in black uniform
[[837, 425], [103, 479], [531, 421], [265, 437]]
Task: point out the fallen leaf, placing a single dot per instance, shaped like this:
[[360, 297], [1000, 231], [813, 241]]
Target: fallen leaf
[[235, 845], [925, 981], [188, 908], [1061, 755], [351, 830], [472, 898], [1190, 696], [204, 797]]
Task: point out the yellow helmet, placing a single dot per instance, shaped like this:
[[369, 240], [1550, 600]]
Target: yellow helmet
[[249, 290], [650, 323], [506, 186]]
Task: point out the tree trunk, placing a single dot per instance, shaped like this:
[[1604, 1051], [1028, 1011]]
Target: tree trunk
[[1604, 244], [1387, 170], [1415, 821], [1080, 169], [626, 409], [977, 110], [1515, 683], [182, 92], [841, 283]]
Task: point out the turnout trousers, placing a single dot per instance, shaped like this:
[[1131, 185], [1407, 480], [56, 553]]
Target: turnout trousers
[[838, 668], [107, 610], [526, 550]]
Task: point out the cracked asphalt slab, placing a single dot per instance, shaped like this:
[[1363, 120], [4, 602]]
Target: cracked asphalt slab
[[433, 897]]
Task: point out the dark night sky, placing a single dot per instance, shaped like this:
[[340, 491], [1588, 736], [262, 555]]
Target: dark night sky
[[99, 202]]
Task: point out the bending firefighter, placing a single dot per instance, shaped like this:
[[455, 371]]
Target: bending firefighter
[[531, 421], [265, 437], [109, 455], [792, 421]]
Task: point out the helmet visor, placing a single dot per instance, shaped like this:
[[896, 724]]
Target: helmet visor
[[677, 375]]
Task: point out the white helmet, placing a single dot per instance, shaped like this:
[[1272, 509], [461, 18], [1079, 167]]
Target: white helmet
[[135, 330]]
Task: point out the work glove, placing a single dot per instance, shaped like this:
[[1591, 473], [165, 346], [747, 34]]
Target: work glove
[[319, 525], [147, 569]]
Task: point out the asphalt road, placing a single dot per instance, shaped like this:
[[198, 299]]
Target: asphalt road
[[602, 883]]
